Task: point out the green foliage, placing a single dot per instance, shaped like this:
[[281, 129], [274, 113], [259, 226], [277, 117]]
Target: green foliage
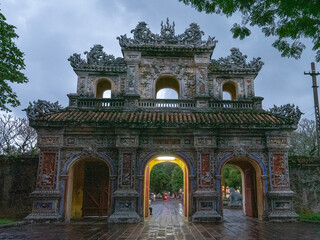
[[289, 21], [231, 177], [159, 179], [166, 177], [310, 217], [177, 179], [12, 63], [303, 142], [7, 221]]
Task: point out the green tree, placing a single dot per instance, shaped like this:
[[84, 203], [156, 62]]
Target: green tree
[[303, 141], [287, 20], [231, 177], [177, 179], [11, 65], [159, 179]]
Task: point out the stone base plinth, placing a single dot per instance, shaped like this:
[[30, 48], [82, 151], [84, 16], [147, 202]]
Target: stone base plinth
[[45, 206], [124, 217], [206, 200], [281, 206], [283, 216], [43, 217], [206, 216], [125, 207]]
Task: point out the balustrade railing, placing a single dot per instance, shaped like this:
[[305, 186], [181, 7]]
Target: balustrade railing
[[99, 103], [166, 103], [232, 105], [157, 104]]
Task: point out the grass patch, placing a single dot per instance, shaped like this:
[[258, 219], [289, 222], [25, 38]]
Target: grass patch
[[310, 217], [7, 220]]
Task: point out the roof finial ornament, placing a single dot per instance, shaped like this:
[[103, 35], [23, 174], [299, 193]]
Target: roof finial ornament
[[143, 37], [167, 31]]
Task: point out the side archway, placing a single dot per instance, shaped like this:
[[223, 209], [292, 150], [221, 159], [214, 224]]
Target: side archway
[[104, 88], [86, 186], [254, 183], [231, 89]]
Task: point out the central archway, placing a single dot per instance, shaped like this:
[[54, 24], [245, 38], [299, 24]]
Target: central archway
[[148, 168], [145, 168]]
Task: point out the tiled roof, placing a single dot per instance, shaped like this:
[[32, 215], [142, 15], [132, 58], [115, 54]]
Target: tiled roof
[[164, 119]]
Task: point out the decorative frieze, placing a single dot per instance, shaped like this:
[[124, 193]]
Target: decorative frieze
[[205, 141], [159, 141], [278, 141], [127, 141], [52, 141]]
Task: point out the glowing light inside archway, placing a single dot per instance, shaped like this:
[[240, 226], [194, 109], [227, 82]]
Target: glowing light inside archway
[[166, 158]]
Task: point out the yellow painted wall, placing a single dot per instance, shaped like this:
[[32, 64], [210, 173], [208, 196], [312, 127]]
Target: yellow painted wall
[[77, 192], [184, 168]]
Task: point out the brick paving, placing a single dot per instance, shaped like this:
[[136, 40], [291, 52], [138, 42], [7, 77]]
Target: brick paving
[[167, 222]]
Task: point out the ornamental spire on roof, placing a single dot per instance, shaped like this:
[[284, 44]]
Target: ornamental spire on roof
[[236, 62], [97, 59], [142, 35]]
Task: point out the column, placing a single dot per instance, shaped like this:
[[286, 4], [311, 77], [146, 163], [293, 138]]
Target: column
[[46, 196]]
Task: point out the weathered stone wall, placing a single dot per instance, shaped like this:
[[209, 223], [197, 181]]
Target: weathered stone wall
[[305, 182], [17, 181]]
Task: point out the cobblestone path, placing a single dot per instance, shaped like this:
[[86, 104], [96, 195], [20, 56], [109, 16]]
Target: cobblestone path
[[167, 222]]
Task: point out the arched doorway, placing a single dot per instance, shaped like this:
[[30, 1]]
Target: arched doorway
[[186, 185], [167, 87], [229, 91], [103, 88], [88, 189], [253, 185]]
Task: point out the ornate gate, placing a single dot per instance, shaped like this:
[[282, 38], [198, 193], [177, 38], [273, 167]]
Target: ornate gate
[[95, 189]]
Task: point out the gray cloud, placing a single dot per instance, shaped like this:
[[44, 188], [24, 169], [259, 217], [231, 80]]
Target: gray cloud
[[50, 31]]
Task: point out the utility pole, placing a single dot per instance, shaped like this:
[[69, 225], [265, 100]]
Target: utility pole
[[314, 74]]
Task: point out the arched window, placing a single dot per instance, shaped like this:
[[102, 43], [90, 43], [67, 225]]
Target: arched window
[[167, 87], [229, 91], [103, 88]]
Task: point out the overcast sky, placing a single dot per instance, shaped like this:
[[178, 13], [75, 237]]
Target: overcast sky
[[52, 30]]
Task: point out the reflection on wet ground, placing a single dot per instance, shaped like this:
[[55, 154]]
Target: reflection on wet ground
[[167, 222]]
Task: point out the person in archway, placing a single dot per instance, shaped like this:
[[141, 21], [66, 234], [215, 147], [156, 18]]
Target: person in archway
[[150, 208]]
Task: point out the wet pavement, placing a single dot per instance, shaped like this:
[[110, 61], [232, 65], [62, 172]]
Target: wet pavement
[[167, 222]]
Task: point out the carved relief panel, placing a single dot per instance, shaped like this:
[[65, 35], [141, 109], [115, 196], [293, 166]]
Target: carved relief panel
[[49, 140], [47, 171], [127, 141], [126, 170], [279, 170], [205, 170], [204, 141], [202, 82], [279, 142]]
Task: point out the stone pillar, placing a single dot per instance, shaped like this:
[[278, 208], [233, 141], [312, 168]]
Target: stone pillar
[[47, 194], [202, 88], [201, 62], [133, 59], [205, 196], [125, 197], [280, 196]]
